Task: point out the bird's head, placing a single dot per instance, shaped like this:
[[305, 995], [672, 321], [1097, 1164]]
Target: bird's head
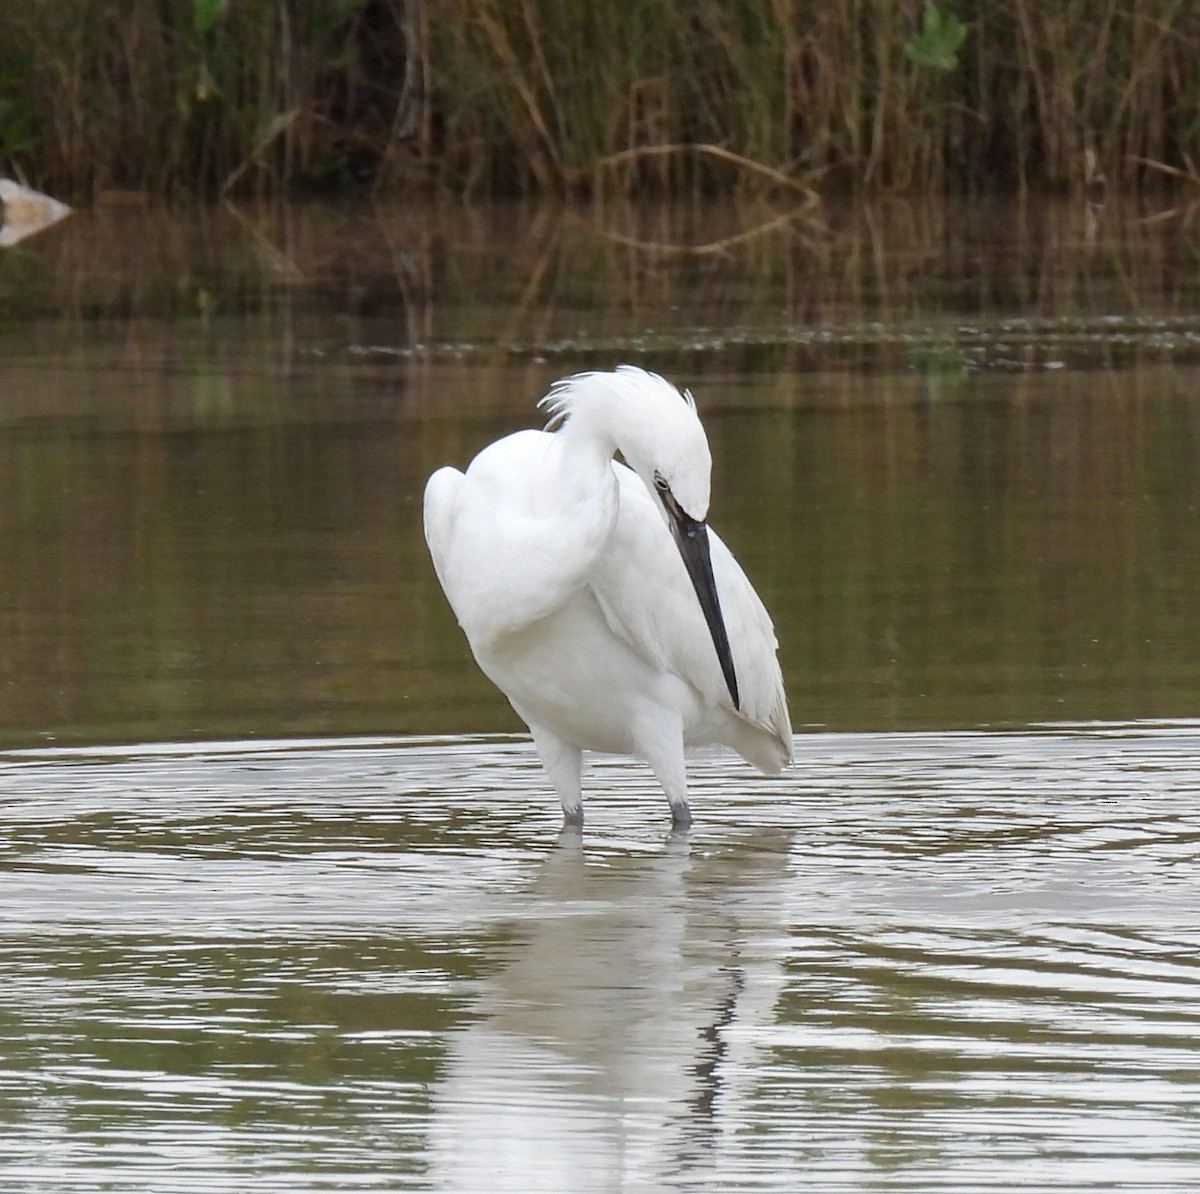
[[653, 426], [672, 458]]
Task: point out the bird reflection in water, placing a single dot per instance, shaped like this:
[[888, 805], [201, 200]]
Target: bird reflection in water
[[612, 1051]]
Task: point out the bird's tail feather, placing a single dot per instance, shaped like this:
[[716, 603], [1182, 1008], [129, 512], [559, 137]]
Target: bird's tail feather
[[761, 748]]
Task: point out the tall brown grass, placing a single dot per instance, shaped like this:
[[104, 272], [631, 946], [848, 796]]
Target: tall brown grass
[[566, 96]]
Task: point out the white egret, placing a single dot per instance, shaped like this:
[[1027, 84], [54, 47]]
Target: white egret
[[593, 594]]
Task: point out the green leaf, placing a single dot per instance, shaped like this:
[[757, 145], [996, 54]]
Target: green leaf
[[938, 43]]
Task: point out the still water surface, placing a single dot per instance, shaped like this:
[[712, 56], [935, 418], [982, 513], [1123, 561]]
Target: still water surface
[[283, 904]]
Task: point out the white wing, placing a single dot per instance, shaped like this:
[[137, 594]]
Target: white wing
[[649, 601], [505, 549], [441, 494]]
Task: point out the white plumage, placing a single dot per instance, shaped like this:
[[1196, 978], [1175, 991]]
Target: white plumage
[[585, 590]]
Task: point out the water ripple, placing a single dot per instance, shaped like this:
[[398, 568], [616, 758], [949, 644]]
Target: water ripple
[[944, 961]]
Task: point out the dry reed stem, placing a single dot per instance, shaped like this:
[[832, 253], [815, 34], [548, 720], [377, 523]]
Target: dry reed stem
[[1189, 175], [716, 151]]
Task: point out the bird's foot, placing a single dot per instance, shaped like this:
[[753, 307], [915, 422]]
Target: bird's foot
[[681, 817]]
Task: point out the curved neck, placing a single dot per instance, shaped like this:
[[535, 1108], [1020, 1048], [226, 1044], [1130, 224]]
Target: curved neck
[[585, 453]]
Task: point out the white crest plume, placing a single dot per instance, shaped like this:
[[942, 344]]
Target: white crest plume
[[579, 389]]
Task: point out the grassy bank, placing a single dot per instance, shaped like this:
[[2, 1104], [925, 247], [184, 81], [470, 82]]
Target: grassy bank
[[521, 96]]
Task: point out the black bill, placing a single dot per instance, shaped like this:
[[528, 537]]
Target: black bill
[[691, 537]]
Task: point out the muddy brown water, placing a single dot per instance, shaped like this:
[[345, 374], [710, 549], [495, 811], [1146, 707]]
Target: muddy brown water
[[283, 900]]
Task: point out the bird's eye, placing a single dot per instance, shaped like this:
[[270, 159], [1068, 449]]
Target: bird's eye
[[660, 483]]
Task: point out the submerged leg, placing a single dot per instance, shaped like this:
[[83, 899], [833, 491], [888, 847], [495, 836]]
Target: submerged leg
[[660, 742], [562, 763]]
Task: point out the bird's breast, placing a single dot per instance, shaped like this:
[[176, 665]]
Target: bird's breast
[[569, 672]]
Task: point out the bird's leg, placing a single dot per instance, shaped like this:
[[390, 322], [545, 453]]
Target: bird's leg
[[562, 763], [681, 812], [660, 742]]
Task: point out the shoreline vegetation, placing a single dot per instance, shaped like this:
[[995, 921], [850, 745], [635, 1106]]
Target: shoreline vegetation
[[491, 98]]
